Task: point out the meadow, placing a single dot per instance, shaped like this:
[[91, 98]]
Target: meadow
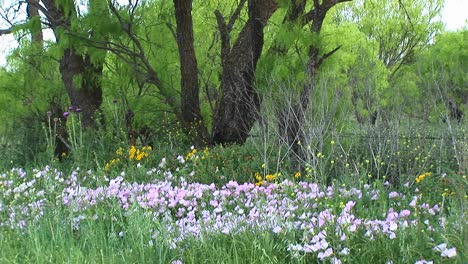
[[230, 205], [268, 131]]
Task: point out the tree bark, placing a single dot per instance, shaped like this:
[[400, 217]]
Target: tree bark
[[239, 105], [82, 80], [190, 98]]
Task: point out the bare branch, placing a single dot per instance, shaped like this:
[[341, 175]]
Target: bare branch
[[225, 39], [5, 31], [400, 3], [320, 10], [328, 54], [234, 16], [171, 28]]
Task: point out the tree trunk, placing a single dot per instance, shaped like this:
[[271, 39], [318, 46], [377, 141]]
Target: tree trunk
[[81, 77], [190, 98], [82, 80], [32, 11], [239, 105]]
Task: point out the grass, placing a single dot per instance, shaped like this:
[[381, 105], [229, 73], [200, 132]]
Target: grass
[[66, 218], [391, 196]]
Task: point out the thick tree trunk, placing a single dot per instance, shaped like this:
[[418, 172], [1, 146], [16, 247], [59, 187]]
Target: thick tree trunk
[[239, 105], [82, 80], [190, 98]]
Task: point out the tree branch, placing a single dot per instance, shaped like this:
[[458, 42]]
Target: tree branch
[[400, 3], [225, 39], [234, 16], [5, 31], [326, 55]]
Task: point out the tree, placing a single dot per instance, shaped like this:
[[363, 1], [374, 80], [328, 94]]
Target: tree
[[292, 117], [190, 90], [441, 75], [238, 104], [400, 27], [80, 69]]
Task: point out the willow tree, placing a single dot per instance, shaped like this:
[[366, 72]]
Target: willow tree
[[401, 29], [81, 68]]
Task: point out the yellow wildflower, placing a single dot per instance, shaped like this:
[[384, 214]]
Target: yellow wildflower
[[132, 152], [421, 177], [259, 183], [297, 174], [111, 163], [119, 151], [191, 154], [258, 177], [271, 177], [149, 148]]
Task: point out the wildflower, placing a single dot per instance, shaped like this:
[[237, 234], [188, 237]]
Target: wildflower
[[277, 229], [192, 153], [131, 152], [258, 177], [449, 252], [272, 177], [260, 183], [180, 159], [146, 148], [119, 151], [78, 110], [66, 114], [162, 163], [297, 174], [422, 261], [405, 213], [421, 177], [323, 255], [49, 113], [344, 251], [335, 260], [444, 251]]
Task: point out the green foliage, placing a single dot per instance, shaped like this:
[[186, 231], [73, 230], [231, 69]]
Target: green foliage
[[400, 28], [442, 69]]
